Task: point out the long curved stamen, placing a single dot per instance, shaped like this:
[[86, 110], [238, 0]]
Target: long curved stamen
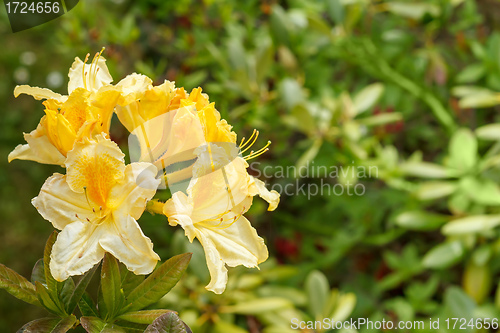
[[96, 68], [234, 219], [87, 197], [83, 70], [258, 152], [91, 73], [255, 135]]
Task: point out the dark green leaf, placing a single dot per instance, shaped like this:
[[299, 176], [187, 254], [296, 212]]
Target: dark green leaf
[[167, 323], [101, 305], [49, 325], [158, 283], [129, 280], [38, 273], [111, 285], [53, 286], [79, 290], [87, 306], [143, 317], [67, 290], [96, 325], [17, 285], [47, 301]]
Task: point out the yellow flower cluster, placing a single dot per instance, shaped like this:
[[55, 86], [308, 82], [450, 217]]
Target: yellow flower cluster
[[182, 143]]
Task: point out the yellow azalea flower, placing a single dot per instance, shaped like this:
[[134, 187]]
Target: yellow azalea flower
[[91, 77], [85, 112], [96, 205], [167, 124], [141, 102], [215, 128], [218, 195]]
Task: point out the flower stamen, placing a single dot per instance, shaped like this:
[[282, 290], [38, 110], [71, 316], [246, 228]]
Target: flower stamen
[[258, 152], [83, 71]]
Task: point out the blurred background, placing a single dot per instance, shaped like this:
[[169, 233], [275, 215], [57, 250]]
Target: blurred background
[[407, 90]]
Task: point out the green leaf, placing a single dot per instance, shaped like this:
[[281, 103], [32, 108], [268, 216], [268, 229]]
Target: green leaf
[[476, 281], [87, 306], [97, 325], [309, 154], [413, 10], [167, 323], [280, 25], [17, 285], [222, 326], [111, 285], [144, 316], [79, 290], [471, 73], [318, 290], [471, 224], [425, 170], [481, 191], [489, 132], [129, 280], [158, 283], [47, 301], [54, 287], [298, 297], [344, 307], [443, 255], [484, 99], [38, 273], [462, 150], [301, 119], [420, 220], [335, 10], [367, 97], [458, 304], [256, 306], [433, 190], [291, 93], [49, 325], [381, 119], [67, 290]]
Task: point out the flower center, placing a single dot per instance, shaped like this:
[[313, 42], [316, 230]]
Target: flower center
[[97, 175], [75, 108]]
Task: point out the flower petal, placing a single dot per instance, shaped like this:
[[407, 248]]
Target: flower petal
[[37, 93], [95, 165], [139, 185], [236, 244], [95, 76], [124, 240], [259, 187], [76, 249], [38, 149], [58, 204], [133, 87]]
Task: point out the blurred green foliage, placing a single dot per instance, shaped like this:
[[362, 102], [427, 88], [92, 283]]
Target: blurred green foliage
[[409, 87]]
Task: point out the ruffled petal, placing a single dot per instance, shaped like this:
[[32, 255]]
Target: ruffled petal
[[94, 79], [96, 165], [138, 187], [133, 87], [259, 187], [37, 93], [38, 149], [125, 240], [233, 245], [220, 183], [59, 205], [76, 249]]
